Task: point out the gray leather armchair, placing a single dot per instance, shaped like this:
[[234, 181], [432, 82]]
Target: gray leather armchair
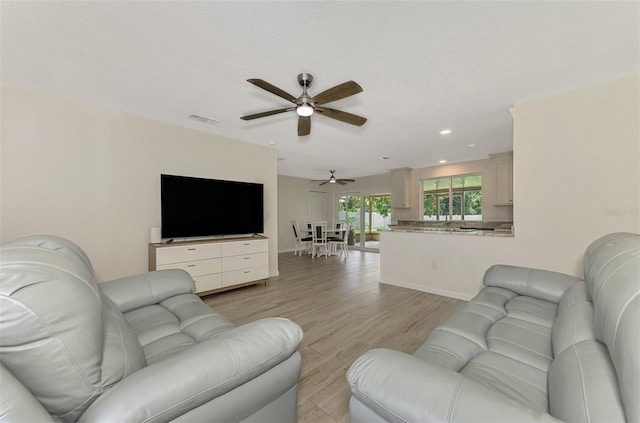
[[533, 345], [141, 348]]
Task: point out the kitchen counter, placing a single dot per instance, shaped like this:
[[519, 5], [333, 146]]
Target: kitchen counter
[[499, 229], [442, 260], [451, 231]]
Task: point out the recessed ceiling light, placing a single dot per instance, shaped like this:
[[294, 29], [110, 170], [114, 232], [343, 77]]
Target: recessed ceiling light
[[445, 132], [442, 161], [272, 143], [384, 158], [471, 145]]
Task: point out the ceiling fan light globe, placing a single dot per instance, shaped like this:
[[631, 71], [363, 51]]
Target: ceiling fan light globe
[[304, 110], [332, 181]]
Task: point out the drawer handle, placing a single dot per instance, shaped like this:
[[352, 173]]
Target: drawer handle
[[191, 265], [191, 249], [246, 258], [247, 243], [247, 271]]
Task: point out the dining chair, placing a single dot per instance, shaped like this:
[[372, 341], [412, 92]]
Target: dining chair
[[306, 228], [341, 240], [319, 244], [338, 224], [302, 242]]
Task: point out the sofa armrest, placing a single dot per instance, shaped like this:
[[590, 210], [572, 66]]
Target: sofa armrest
[[402, 388], [537, 283], [148, 288], [167, 389]]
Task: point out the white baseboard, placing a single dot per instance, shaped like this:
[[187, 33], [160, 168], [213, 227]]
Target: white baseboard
[[443, 292]]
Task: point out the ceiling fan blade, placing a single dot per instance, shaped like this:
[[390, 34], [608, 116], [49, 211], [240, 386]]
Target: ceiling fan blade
[[338, 92], [342, 116], [304, 125], [269, 113], [340, 181], [325, 182], [272, 89], [346, 180]]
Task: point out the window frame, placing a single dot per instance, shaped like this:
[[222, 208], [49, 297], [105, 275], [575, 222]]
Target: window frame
[[450, 192]]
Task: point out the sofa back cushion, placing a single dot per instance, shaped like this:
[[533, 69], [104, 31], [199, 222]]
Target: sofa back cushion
[[56, 336], [542, 284], [575, 319], [612, 275], [583, 386]]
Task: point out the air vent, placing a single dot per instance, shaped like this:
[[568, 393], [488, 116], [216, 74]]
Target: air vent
[[203, 119]]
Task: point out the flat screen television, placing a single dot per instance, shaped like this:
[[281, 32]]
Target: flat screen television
[[199, 207]]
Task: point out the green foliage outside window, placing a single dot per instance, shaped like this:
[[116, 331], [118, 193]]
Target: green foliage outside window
[[381, 205], [465, 193]]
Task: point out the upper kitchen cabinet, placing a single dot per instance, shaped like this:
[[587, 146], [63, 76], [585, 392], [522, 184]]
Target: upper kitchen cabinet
[[401, 188], [504, 178]]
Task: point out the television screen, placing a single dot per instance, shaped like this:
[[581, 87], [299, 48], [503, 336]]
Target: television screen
[[193, 207]]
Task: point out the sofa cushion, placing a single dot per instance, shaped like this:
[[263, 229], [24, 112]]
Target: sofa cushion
[[523, 341], [612, 266], [501, 339], [575, 319], [583, 385], [122, 353], [463, 336], [63, 360], [537, 283], [515, 379], [175, 324]]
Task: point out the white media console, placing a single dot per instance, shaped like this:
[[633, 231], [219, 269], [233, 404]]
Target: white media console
[[215, 265]]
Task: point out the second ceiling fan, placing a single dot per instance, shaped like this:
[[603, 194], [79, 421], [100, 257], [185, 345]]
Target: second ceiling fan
[[305, 105], [333, 180]]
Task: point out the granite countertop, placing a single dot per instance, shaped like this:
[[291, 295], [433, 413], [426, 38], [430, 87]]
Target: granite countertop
[[496, 229]]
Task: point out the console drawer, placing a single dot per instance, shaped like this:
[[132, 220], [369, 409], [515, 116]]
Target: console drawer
[[182, 253], [244, 261], [196, 268], [209, 282], [244, 247], [245, 275]]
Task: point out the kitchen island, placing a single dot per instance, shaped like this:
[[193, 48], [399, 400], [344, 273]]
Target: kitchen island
[[447, 260]]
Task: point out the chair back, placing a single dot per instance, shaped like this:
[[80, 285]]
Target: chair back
[[319, 232], [296, 232], [345, 234]]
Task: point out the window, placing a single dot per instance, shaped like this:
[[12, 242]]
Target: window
[[452, 198]]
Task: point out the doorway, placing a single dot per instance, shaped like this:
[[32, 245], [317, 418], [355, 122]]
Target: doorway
[[368, 213]]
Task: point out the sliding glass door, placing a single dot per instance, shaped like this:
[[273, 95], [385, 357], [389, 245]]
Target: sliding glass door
[[367, 214], [349, 207]]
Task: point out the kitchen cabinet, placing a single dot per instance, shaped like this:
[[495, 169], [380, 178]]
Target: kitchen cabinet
[[401, 188], [504, 182]]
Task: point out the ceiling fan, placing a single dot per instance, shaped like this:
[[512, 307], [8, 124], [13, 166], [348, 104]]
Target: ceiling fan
[[333, 180], [305, 106]]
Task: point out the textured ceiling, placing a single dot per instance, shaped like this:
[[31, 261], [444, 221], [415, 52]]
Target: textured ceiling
[[423, 66]]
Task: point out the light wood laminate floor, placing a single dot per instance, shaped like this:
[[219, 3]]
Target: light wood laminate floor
[[344, 312]]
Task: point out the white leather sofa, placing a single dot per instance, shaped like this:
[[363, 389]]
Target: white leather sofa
[[138, 349], [533, 345]]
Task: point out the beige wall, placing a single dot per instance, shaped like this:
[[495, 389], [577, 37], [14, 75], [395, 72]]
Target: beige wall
[[576, 170], [292, 205], [576, 177], [92, 175]]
